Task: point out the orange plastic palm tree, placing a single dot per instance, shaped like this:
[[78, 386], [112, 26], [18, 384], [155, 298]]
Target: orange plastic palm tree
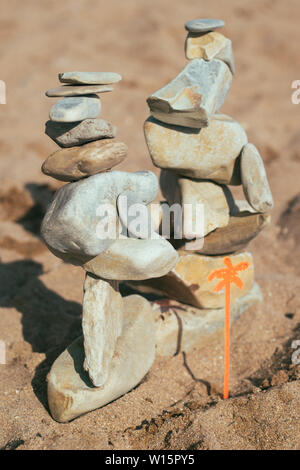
[[227, 275]]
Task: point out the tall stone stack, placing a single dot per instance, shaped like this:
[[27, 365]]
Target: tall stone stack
[[118, 344], [202, 153]]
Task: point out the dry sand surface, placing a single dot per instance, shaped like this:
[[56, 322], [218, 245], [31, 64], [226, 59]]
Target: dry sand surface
[[178, 404]]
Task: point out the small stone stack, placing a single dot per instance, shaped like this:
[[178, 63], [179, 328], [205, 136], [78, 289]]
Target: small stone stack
[[88, 142], [201, 153], [118, 344]]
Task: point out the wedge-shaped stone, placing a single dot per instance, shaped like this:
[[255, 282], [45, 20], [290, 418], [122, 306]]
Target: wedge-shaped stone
[[188, 281], [191, 194], [75, 108], [70, 90], [132, 259], [102, 319], [70, 392], [89, 78], [210, 46], [82, 220], [241, 229], [78, 162], [194, 96], [78, 133], [181, 327], [254, 178], [209, 153]]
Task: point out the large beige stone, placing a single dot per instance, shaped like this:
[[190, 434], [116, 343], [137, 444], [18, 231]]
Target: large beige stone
[[254, 178], [194, 96], [102, 318], [209, 153], [78, 162], [190, 193], [134, 259], [241, 229], [210, 46], [70, 392], [188, 281], [181, 327]]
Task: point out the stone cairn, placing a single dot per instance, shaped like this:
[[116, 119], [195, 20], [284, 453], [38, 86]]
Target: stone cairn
[[201, 153], [118, 344]]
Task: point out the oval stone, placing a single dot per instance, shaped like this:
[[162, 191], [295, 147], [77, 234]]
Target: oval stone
[[254, 179], [203, 25], [78, 162], [75, 108]]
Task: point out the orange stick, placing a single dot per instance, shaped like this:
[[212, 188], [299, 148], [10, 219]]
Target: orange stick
[[227, 341]]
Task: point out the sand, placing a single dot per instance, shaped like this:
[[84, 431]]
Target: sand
[[178, 405]]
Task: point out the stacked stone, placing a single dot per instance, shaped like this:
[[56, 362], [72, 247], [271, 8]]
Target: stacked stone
[[118, 344], [201, 154], [88, 142]]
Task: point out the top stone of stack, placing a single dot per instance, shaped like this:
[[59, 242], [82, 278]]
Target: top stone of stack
[[195, 95], [89, 78], [203, 25]]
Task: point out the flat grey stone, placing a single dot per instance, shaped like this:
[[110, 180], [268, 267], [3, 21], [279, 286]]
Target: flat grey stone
[[67, 134], [72, 224], [89, 78], [70, 90], [203, 25], [254, 178], [71, 393], [194, 96], [75, 108]]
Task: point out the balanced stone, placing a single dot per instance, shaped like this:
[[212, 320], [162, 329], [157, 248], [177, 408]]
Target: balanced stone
[[191, 194], [89, 78], [194, 96], [241, 229], [70, 391], [102, 320], [69, 90], [78, 162], [132, 259], [188, 281], [203, 25], [78, 133], [255, 182], [208, 153], [128, 204], [210, 46], [180, 327], [82, 220], [75, 108]]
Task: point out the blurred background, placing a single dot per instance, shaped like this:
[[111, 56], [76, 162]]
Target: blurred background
[[40, 297]]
